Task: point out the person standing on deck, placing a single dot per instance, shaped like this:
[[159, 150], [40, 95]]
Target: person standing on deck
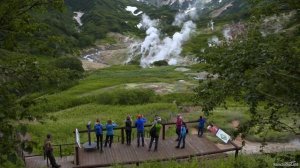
[[183, 132], [139, 123], [154, 133], [48, 149], [128, 129], [178, 126], [99, 134], [109, 132], [201, 126]]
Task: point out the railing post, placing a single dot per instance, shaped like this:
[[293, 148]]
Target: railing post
[[122, 135], [236, 153], [60, 151], [76, 155], [164, 131]]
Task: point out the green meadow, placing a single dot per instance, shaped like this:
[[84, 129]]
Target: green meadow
[[118, 91]]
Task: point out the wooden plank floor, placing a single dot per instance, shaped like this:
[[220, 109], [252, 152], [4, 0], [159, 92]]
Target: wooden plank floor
[[121, 153]]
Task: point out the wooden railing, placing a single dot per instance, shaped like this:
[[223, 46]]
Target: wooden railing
[[235, 148], [146, 125]]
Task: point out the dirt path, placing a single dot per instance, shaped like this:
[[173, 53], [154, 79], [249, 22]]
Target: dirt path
[[254, 147]]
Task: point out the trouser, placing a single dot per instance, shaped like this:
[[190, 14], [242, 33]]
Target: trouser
[[182, 138], [140, 135], [110, 137], [128, 137], [99, 138], [51, 158], [178, 132], [200, 131], [151, 141]]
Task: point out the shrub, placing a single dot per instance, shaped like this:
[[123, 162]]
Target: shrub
[[160, 63], [127, 97], [71, 63]]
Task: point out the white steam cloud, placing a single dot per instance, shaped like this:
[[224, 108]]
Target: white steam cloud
[[156, 46], [154, 49]]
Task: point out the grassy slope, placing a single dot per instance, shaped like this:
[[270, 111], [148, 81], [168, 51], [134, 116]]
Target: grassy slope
[[63, 123], [105, 80]]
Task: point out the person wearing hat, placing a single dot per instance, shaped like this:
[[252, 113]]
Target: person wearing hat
[[139, 123], [154, 132], [48, 149]]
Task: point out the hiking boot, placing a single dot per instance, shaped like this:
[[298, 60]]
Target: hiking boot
[[177, 147], [182, 147]]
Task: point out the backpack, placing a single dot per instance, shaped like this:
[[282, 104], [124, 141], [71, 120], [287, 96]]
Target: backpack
[[153, 131], [47, 146]]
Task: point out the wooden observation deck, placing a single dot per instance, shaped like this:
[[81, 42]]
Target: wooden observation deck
[[121, 153]]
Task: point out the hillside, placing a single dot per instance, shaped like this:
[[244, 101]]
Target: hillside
[[65, 63]]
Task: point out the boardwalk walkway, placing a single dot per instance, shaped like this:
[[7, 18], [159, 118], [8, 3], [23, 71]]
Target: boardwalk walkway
[[123, 154]]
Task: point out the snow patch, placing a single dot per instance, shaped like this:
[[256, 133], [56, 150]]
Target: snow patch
[[132, 9], [78, 17]]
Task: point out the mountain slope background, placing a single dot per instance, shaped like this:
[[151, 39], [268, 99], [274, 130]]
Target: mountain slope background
[[43, 85]]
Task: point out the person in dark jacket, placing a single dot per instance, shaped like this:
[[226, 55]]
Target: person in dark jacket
[[99, 134], [139, 123], [154, 133], [48, 148], [201, 126], [183, 132], [109, 132], [128, 128]]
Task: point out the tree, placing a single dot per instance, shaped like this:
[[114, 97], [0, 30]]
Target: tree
[[257, 70], [19, 75], [15, 18]]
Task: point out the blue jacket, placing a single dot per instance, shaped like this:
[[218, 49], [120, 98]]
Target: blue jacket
[[98, 129], [201, 123], [110, 128], [183, 131], [139, 123]]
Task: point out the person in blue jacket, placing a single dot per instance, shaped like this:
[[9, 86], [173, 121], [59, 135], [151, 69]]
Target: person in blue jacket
[[183, 132], [139, 123], [99, 133], [109, 132], [201, 126]]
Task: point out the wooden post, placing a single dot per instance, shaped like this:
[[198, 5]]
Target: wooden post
[[76, 155], [122, 135], [164, 131], [236, 153]]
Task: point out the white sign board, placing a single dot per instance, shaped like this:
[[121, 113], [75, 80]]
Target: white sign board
[[77, 138], [223, 136]]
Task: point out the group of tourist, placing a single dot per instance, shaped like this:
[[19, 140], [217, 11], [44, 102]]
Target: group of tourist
[[139, 124], [181, 131]]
